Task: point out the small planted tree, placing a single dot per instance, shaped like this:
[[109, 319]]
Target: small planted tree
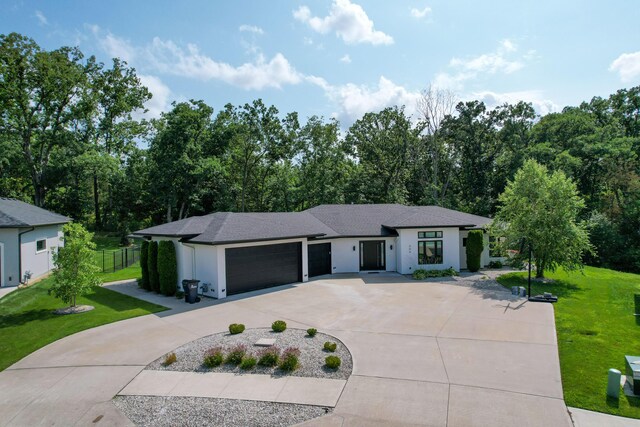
[[539, 212], [475, 245], [75, 271], [144, 265], [167, 267], [154, 280]]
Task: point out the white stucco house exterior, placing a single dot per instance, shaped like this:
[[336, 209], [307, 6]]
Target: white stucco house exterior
[[28, 237], [232, 253]]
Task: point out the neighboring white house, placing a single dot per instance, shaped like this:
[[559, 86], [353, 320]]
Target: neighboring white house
[[238, 252], [28, 237]]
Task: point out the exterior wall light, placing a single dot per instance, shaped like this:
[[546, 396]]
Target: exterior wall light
[[354, 248]]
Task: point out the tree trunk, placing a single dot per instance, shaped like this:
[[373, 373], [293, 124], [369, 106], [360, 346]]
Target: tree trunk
[[169, 212], [96, 203]]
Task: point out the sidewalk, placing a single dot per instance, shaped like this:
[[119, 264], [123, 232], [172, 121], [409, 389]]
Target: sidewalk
[[6, 290], [289, 389]]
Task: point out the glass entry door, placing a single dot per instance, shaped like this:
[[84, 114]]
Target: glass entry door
[[372, 255]]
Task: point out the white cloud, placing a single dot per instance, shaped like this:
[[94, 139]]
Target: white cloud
[[251, 29], [42, 20], [165, 56], [500, 61], [491, 99], [168, 57], [627, 66], [420, 13], [356, 100], [161, 95], [346, 59], [348, 20]]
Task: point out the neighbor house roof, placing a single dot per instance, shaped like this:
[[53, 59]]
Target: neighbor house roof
[[324, 221], [16, 214]]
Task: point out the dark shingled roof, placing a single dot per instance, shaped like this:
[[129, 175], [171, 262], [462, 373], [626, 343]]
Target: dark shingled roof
[[15, 214], [323, 221]]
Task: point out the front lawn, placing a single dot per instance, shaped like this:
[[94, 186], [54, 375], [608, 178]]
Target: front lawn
[[27, 322], [596, 328], [110, 243]]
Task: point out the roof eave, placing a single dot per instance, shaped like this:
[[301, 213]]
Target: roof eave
[[232, 242]]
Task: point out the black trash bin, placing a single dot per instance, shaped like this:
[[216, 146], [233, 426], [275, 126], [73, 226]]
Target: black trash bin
[[190, 288]]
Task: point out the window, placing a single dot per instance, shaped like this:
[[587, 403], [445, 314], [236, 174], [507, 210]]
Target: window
[[41, 245], [429, 234], [430, 252]]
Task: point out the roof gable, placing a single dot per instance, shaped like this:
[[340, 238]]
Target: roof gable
[[16, 213]]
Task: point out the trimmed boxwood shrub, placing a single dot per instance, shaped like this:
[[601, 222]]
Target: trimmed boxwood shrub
[[330, 346], [269, 356], [332, 362], [249, 362], [154, 281], [144, 265], [167, 267], [312, 332], [475, 244], [213, 357], [289, 360], [279, 326], [495, 264], [236, 328]]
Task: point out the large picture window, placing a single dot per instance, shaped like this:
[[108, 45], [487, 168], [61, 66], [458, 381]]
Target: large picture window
[[430, 252]]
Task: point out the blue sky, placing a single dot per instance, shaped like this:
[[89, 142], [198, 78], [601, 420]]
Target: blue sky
[[343, 58]]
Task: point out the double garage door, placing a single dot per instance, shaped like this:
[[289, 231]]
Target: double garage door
[[259, 267]]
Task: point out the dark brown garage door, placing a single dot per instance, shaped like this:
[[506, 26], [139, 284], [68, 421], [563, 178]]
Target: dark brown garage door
[[258, 267]]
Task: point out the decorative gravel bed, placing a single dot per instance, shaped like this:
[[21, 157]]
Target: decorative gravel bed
[[198, 411], [312, 355]]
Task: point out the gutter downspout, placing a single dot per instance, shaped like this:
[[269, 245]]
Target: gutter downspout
[[20, 253]]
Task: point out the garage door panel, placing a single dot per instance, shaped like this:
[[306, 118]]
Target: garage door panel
[[258, 267]]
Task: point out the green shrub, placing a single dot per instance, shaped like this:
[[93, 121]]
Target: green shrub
[[312, 332], [495, 264], [269, 356], [249, 362], [170, 359], [475, 245], [236, 328], [330, 346], [289, 360], [236, 354], [421, 274], [332, 362], [154, 281], [179, 294], [167, 267], [213, 357], [144, 265], [279, 326]]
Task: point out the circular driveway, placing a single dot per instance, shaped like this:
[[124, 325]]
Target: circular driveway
[[457, 352]]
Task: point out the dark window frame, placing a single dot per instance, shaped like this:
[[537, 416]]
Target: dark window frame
[[438, 252], [429, 234], [38, 244]]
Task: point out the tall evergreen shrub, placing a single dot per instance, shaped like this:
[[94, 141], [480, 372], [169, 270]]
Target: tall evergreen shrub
[[167, 267], [475, 245], [154, 280], [144, 265]]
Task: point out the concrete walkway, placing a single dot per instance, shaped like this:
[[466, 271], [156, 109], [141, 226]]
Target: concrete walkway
[[5, 290], [584, 418], [286, 389], [447, 353]]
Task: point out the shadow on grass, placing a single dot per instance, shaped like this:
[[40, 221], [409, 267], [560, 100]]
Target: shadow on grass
[[612, 402], [557, 287], [26, 317], [636, 298]]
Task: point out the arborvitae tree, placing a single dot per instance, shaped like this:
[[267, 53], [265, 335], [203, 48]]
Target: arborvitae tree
[[475, 245], [167, 267], [154, 280], [144, 265]]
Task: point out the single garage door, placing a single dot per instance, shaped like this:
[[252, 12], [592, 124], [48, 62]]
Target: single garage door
[[258, 267], [319, 259]]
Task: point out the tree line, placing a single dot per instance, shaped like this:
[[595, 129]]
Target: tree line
[[73, 139]]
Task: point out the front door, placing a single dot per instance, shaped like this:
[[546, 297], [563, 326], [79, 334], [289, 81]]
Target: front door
[[372, 255]]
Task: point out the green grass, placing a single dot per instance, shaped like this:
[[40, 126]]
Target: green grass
[[596, 328], [27, 322], [110, 243]]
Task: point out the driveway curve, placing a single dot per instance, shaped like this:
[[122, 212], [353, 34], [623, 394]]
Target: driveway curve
[[457, 352]]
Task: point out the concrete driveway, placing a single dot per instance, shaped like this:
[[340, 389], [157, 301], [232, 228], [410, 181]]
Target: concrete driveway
[[456, 353]]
